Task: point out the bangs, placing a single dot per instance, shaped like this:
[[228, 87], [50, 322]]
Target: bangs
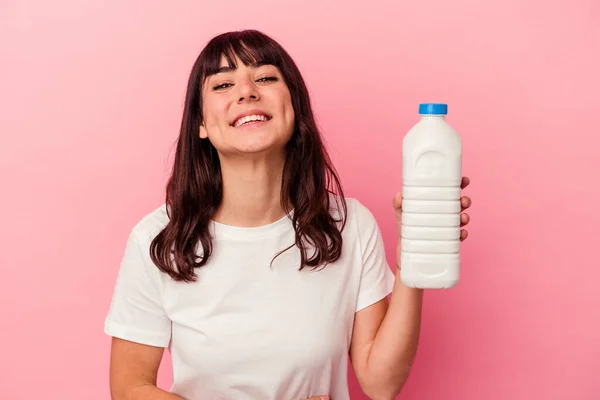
[[249, 46]]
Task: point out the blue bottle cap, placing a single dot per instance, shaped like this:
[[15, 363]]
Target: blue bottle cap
[[433, 109]]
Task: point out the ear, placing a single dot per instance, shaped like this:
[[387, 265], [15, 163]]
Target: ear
[[203, 131]]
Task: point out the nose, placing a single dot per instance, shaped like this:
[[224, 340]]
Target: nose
[[247, 91]]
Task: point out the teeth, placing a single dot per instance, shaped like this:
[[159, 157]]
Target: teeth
[[249, 118]]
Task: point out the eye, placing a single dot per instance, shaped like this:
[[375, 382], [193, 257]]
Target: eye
[[221, 86], [268, 79]]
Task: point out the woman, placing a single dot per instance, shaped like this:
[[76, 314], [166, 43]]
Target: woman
[[257, 273]]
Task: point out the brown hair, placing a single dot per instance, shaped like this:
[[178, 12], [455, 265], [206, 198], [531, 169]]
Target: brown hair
[[194, 190]]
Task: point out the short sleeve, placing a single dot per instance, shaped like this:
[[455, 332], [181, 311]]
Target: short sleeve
[[136, 312], [377, 279]]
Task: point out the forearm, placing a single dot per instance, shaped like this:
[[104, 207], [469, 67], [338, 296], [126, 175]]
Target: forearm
[[395, 344], [147, 392]]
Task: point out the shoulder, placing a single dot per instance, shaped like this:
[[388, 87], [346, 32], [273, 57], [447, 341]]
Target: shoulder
[[150, 224], [358, 214], [360, 220]]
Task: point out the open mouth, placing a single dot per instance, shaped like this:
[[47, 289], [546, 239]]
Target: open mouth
[[250, 120]]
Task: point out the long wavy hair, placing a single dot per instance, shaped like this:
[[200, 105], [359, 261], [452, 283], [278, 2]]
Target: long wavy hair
[[194, 190]]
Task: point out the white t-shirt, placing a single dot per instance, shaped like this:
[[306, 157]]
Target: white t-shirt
[[246, 330]]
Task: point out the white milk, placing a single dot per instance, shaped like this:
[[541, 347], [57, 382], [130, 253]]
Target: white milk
[[431, 175]]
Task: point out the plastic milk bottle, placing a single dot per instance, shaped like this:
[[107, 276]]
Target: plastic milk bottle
[[431, 175]]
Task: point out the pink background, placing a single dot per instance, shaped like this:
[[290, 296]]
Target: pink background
[[91, 96]]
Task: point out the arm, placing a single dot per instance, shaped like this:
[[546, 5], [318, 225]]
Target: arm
[[138, 324], [133, 372], [386, 336], [384, 342]]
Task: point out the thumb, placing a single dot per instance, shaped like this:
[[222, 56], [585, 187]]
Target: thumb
[[397, 203], [397, 200]]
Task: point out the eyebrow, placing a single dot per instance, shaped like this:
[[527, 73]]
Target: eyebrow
[[228, 68]]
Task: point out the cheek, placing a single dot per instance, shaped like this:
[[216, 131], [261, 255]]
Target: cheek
[[215, 113], [288, 109]]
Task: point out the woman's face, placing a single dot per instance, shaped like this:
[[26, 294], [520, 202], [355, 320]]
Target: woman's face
[[247, 109]]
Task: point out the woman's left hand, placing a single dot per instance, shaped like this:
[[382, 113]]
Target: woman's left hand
[[465, 202]]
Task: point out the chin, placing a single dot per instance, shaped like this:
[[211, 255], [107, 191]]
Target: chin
[[260, 142], [260, 148]]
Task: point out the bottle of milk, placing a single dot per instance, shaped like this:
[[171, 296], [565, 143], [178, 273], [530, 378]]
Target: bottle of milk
[[431, 175]]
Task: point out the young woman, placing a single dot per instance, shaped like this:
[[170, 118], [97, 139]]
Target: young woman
[[257, 273]]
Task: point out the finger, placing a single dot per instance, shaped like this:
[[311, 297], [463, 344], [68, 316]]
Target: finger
[[463, 234], [464, 219], [397, 203], [324, 397], [465, 202], [465, 182]]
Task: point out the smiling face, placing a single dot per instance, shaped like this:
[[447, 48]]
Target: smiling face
[[247, 109]]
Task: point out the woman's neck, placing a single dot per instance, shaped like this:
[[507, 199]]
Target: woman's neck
[[251, 192]]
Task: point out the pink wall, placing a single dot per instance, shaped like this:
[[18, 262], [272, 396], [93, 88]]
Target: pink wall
[[91, 95]]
